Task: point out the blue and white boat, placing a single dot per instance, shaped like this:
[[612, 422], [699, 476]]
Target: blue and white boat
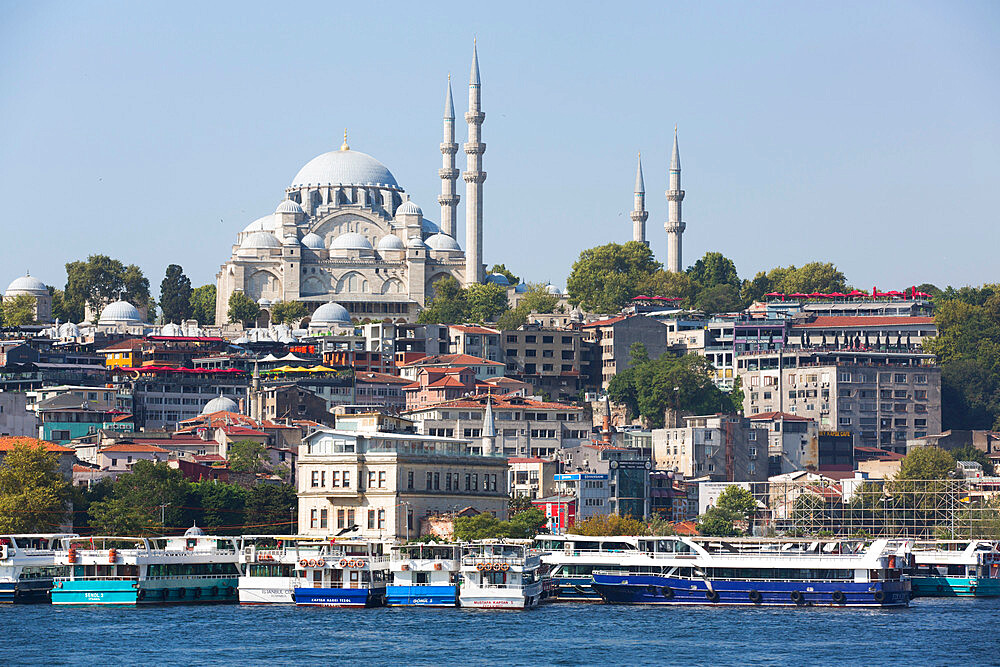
[[268, 566], [343, 573], [28, 566], [193, 568], [500, 575], [424, 575], [569, 561], [779, 572], [956, 568]]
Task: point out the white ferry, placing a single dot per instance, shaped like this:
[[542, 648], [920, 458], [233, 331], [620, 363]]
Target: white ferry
[[343, 573], [28, 566], [500, 575], [268, 573], [773, 572], [193, 568], [570, 560], [424, 575]]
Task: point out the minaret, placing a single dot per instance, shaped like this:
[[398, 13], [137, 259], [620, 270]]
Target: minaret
[[674, 226], [489, 430], [449, 175], [474, 177], [639, 212]]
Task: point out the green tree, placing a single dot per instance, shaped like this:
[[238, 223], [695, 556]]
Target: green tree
[[738, 501], [604, 279], [271, 508], [502, 270], [926, 463], [609, 524], [287, 312], [526, 524], [175, 295], [33, 495], [519, 503], [101, 280], [821, 277], [223, 506], [203, 304], [671, 283], [19, 310], [718, 522], [247, 456], [713, 270], [970, 453], [536, 300], [59, 311], [483, 526], [486, 302], [450, 304], [719, 299], [242, 309], [140, 498]]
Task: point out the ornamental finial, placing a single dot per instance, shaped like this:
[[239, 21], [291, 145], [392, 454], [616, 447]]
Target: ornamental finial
[[344, 146]]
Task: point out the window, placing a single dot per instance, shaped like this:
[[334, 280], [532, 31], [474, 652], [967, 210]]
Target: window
[[900, 377], [529, 339], [340, 518], [920, 379], [437, 481], [313, 522], [447, 481], [844, 421], [547, 340], [381, 519], [475, 481], [347, 479], [530, 352], [322, 518], [350, 518], [335, 482], [381, 479], [920, 394], [468, 481], [409, 480], [371, 479], [429, 484], [371, 519]]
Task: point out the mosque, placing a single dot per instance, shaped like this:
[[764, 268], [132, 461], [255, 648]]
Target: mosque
[[348, 235]]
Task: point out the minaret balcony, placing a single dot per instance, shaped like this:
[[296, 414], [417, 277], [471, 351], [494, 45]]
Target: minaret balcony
[[675, 195], [474, 176], [448, 200], [672, 227], [477, 148], [449, 174], [449, 148], [475, 117]]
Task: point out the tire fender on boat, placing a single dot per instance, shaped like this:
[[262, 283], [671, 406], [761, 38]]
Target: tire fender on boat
[[879, 596], [667, 592], [755, 596], [839, 597], [797, 597], [711, 595]]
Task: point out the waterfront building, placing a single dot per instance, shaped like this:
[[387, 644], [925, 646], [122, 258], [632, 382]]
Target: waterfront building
[[531, 477], [792, 441], [718, 447], [627, 469]]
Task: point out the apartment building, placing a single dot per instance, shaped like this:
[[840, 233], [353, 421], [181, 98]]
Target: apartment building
[[719, 447], [550, 360], [615, 336]]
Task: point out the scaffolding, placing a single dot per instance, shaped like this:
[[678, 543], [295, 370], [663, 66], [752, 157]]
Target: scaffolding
[[926, 509]]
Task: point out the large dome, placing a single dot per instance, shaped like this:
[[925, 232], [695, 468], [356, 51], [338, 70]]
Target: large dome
[[259, 240], [120, 311], [220, 404], [27, 284], [441, 241], [313, 241], [345, 167], [330, 313], [350, 241]]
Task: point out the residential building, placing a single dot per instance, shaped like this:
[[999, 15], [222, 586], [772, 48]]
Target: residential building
[[381, 389], [615, 337], [551, 360], [719, 447], [483, 369], [121, 457], [532, 477], [162, 397], [68, 416], [290, 401], [15, 418], [436, 385], [382, 485], [627, 470], [883, 397], [475, 341], [591, 492], [792, 441]]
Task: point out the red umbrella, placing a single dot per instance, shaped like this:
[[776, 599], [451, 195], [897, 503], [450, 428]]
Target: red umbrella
[[775, 294], [799, 295], [857, 292], [818, 295], [836, 294]]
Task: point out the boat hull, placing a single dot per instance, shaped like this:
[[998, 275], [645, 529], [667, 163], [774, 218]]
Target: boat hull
[[629, 589], [421, 596], [955, 587], [25, 591], [267, 590], [132, 592], [339, 597], [573, 589]]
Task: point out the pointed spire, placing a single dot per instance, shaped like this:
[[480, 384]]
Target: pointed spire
[[449, 104], [489, 430], [474, 74], [675, 159], [344, 146], [640, 186]]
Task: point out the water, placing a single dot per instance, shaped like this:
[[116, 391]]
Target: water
[[930, 632]]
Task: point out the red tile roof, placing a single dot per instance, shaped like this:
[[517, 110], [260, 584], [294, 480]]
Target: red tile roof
[[130, 344], [451, 360], [835, 321], [473, 329], [601, 323], [778, 416], [533, 459], [135, 447], [8, 443], [242, 430], [499, 403], [382, 378], [686, 528]]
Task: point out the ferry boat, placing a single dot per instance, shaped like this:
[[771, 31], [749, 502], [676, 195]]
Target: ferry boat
[[500, 575], [424, 575], [956, 568], [193, 568], [343, 573], [570, 560], [778, 572], [268, 573], [28, 566]]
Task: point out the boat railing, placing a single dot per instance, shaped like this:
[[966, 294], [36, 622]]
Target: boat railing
[[619, 573], [189, 554], [97, 578], [512, 587], [178, 577]]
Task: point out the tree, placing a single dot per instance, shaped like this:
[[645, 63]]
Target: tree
[[59, 311], [926, 463], [450, 304], [671, 283], [242, 309], [536, 300], [287, 312], [222, 506], [33, 495], [821, 277], [609, 524], [101, 280], [19, 310], [970, 453], [175, 295], [139, 500], [604, 279], [738, 501], [519, 503], [483, 526], [525, 525], [719, 299], [502, 270], [486, 302], [203, 304], [718, 522], [271, 508], [714, 270], [247, 456]]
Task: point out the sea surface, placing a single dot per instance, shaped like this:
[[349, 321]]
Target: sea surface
[[930, 632]]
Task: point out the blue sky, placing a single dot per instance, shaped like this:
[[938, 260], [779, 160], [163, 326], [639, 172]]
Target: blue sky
[[866, 134]]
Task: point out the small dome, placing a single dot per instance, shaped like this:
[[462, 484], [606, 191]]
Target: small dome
[[521, 288], [441, 241], [265, 224], [170, 329], [409, 208], [416, 242], [287, 339], [330, 313], [220, 404], [288, 206], [350, 241], [27, 284], [291, 239], [498, 279], [120, 311], [313, 241], [552, 289], [194, 531], [259, 240], [69, 330], [391, 242]]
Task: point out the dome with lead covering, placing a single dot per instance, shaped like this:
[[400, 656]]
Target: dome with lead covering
[[330, 313], [313, 241], [289, 206], [27, 284], [345, 167], [220, 404], [261, 240], [442, 241], [409, 208], [120, 312], [498, 279], [351, 241], [391, 242]]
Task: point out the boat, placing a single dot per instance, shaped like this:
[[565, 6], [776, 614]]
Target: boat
[[569, 561], [28, 566], [194, 568], [956, 568], [343, 573], [500, 575], [268, 573], [424, 575], [769, 572]]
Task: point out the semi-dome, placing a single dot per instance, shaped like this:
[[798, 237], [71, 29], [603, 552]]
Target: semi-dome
[[350, 241], [119, 311], [289, 206], [27, 284], [330, 313], [408, 208], [391, 242], [428, 227], [313, 241], [290, 239], [220, 404], [442, 241], [259, 240], [498, 279], [345, 167], [265, 224]]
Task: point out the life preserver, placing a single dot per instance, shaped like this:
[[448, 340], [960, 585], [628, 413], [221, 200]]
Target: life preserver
[[504, 567], [839, 597], [360, 562], [304, 562], [312, 562], [112, 555], [320, 562], [344, 562], [482, 566], [755, 596], [181, 592], [215, 591], [711, 595], [667, 593], [230, 592], [796, 597], [197, 593], [879, 596]]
